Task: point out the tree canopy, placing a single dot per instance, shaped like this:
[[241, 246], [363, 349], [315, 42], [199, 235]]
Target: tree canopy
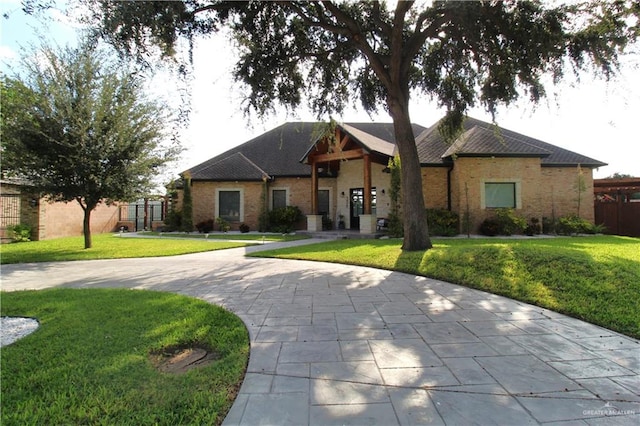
[[78, 128], [329, 54]]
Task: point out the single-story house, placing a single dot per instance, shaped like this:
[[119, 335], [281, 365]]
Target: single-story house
[[346, 175]]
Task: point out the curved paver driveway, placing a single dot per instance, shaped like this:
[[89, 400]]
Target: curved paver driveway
[[337, 344]]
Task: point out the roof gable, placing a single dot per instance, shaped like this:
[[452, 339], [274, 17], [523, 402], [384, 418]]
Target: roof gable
[[482, 139], [234, 167], [278, 151]]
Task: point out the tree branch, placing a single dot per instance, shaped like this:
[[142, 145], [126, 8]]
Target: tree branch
[[360, 42]]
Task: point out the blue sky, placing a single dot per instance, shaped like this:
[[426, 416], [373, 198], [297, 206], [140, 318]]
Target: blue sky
[[591, 117]]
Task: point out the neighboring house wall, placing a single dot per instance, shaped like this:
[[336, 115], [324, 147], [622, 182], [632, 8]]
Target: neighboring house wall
[[53, 220], [66, 219]]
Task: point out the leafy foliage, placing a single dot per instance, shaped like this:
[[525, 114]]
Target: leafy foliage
[[461, 54], [574, 224], [396, 228], [223, 225], [284, 219], [205, 227], [21, 233], [187, 205], [442, 222], [504, 222], [78, 128]]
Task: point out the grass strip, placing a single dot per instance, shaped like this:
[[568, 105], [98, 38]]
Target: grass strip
[[595, 279], [89, 361], [228, 236], [106, 246]]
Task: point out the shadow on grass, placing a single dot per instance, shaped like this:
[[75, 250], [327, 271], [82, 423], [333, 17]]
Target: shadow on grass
[[88, 362]]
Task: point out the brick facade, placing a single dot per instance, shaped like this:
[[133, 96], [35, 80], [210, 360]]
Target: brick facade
[[56, 220], [542, 192]]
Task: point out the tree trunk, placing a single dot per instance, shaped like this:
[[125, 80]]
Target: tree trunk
[[414, 213], [86, 224]]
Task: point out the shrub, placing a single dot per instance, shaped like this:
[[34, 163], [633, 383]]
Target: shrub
[[533, 228], [284, 219], [509, 222], [173, 221], [573, 224], [21, 233], [327, 223], [223, 224], [395, 228], [244, 228], [505, 222], [548, 225], [205, 226], [490, 227], [442, 222]]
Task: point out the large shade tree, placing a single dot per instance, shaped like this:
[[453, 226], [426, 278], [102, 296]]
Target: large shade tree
[[330, 53], [78, 127]]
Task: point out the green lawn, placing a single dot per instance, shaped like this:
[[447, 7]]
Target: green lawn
[[252, 236], [596, 279], [91, 360], [106, 246]]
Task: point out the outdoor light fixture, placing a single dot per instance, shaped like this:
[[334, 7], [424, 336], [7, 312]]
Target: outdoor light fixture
[[342, 194], [33, 202]]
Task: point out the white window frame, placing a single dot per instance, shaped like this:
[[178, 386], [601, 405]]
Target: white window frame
[[518, 191], [241, 191], [278, 188]]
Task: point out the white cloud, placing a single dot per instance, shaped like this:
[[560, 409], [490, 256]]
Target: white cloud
[[7, 53]]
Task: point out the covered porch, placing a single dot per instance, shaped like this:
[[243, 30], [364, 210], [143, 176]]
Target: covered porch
[[358, 161]]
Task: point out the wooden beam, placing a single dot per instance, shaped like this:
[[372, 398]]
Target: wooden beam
[[344, 141], [343, 155], [367, 184]]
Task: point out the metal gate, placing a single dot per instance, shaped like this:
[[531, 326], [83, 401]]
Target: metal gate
[[10, 210], [143, 214]]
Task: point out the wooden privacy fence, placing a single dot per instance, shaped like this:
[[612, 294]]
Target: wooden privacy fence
[[619, 218]]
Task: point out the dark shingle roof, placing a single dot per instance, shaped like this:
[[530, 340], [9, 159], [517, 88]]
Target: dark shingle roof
[[482, 139], [234, 167], [278, 152]]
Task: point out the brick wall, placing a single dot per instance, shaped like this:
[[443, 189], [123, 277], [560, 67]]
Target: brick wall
[[434, 187], [543, 192], [560, 192], [65, 219], [204, 196]]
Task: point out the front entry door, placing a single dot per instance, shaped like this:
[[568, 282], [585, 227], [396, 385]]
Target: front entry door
[[357, 207]]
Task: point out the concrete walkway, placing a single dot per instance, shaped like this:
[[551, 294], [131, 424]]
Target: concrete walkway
[[336, 344]]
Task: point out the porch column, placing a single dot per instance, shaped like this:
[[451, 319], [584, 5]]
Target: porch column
[[314, 188], [367, 184]]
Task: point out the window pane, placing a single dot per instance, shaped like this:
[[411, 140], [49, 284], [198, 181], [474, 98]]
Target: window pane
[[279, 198], [499, 195], [323, 202], [229, 205]]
